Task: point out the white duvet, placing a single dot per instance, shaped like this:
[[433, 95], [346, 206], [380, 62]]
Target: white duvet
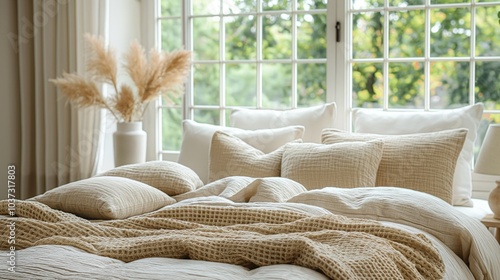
[[468, 249]]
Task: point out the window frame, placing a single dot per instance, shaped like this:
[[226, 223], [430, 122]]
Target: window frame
[[338, 64]]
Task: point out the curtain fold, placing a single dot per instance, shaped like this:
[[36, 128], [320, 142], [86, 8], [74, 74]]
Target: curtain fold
[[59, 143]]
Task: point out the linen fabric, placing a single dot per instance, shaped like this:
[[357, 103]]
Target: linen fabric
[[345, 165], [314, 119], [231, 156], [423, 162], [197, 137], [397, 123], [169, 177], [103, 198]]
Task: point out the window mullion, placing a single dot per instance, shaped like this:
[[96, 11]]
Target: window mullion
[[258, 62], [386, 56], [472, 66], [427, 52], [222, 66]]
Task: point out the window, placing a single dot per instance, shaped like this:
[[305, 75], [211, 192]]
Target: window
[[392, 54]]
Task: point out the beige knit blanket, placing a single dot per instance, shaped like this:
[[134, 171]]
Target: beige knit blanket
[[340, 247]]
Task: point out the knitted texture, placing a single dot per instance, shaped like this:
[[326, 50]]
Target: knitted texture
[[340, 247]]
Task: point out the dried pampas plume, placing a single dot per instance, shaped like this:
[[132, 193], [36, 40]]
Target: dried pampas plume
[[163, 74]]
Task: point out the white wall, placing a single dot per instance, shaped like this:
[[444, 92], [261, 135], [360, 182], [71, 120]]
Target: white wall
[[124, 27]]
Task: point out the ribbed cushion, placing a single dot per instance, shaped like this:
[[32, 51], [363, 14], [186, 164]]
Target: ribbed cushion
[[231, 156], [169, 177], [105, 198], [344, 165], [424, 162]]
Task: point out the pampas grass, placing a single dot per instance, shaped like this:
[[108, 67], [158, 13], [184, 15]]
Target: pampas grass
[[163, 74]]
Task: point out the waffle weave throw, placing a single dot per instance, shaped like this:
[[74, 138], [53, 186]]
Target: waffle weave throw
[[340, 247]]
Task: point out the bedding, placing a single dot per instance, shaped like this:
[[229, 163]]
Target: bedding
[[406, 122], [197, 137], [314, 119], [329, 232], [421, 161]]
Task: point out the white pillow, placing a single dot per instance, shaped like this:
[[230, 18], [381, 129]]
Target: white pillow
[[314, 119], [397, 123], [195, 147]]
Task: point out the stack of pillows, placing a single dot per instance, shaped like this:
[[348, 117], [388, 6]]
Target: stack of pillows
[[424, 151], [429, 152]]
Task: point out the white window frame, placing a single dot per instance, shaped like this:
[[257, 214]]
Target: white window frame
[[338, 62]]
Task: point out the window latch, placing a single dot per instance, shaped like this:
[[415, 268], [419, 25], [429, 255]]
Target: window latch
[[337, 28]]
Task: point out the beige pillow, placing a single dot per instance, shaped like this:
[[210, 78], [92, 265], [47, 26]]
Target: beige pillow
[[169, 177], [344, 165], [401, 122], [424, 162], [196, 139], [105, 198], [275, 189], [231, 156]]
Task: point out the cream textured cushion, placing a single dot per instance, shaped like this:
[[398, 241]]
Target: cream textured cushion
[[275, 189], [314, 119], [397, 123], [423, 162], [344, 165], [169, 177], [197, 137], [105, 198], [231, 156]]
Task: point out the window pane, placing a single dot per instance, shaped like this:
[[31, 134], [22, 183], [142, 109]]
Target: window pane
[[171, 8], [168, 99], [206, 7], [241, 85], [311, 84], [171, 34], [487, 87], [276, 85], [404, 3], [206, 32], [241, 38], [276, 37], [367, 35], [367, 85], [367, 4], [277, 5], [206, 86], [207, 116], [488, 31], [171, 128], [449, 1], [311, 36], [407, 33], [311, 4], [406, 85], [449, 84], [450, 32], [239, 6]]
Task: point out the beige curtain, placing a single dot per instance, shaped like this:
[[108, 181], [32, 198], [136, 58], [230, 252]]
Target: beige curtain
[[59, 143]]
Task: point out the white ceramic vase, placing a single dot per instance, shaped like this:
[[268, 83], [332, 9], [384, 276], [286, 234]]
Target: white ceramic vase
[[129, 142]]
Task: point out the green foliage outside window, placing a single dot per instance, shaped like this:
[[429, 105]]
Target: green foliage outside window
[[449, 38]]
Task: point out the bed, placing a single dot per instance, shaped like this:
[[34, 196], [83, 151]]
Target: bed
[[263, 203]]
